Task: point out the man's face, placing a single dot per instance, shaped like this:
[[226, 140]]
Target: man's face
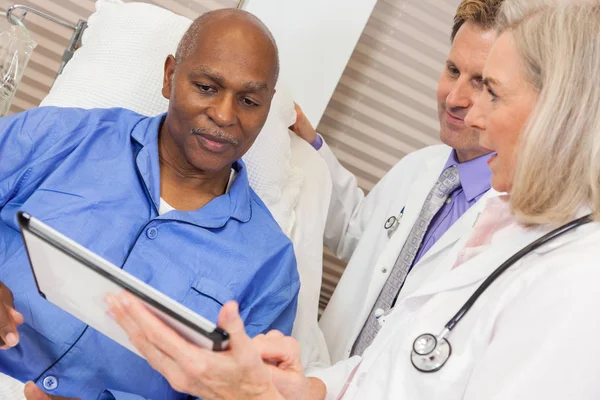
[[219, 96], [458, 87]]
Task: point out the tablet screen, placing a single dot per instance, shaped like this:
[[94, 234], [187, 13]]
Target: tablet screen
[[76, 280]]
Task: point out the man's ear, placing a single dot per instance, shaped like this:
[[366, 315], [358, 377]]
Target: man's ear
[[170, 65]]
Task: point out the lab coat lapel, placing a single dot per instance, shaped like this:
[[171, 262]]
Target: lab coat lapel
[[412, 207], [461, 228], [482, 265]]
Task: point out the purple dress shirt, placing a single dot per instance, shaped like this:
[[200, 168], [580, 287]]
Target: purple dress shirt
[[317, 143], [475, 177]]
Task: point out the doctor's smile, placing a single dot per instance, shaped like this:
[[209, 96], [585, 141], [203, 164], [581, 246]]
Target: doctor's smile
[[455, 120], [492, 158], [197, 197]]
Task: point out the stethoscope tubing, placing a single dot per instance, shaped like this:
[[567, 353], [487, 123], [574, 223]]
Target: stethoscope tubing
[[438, 350], [513, 259]]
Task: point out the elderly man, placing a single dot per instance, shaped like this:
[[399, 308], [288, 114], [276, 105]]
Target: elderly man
[[430, 195], [516, 342], [166, 198]]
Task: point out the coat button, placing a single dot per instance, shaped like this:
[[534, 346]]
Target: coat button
[[383, 270], [50, 382], [379, 312], [152, 233]]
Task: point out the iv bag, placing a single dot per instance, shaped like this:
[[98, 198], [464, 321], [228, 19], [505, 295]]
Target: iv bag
[[15, 50]]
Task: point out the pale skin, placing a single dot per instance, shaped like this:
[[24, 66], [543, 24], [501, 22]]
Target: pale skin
[[502, 110], [267, 367], [498, 114], [459, 85], [499, 117]]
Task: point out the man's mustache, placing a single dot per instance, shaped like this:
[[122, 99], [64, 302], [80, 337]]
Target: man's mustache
[[216, 134]]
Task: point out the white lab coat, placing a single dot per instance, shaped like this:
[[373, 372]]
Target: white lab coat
[[355, 227], [531, 335]]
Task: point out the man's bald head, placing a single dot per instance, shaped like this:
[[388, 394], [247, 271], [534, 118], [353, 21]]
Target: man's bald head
[[220, 86], [228, 18]]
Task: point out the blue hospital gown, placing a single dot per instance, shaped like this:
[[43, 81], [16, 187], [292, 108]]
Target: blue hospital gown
[[94, 176]]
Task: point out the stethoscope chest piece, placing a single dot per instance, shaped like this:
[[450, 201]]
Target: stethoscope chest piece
[[430, 354]]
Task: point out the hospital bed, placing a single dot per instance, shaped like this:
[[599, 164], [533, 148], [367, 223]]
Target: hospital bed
[[115, 59]]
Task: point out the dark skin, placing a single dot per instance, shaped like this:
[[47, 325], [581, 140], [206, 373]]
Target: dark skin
[[33, 392], [223, 89], [219, 98]]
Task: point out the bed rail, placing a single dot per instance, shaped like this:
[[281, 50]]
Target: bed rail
[[19, 12]]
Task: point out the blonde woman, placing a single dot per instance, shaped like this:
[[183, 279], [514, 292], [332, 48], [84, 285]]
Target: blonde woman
[[532, 333]]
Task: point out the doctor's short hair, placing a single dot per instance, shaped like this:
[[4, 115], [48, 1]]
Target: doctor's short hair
[[482, 13], [558, 166]]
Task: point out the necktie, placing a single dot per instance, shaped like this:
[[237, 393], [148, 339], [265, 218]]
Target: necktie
[[494, 217], [446, 184]]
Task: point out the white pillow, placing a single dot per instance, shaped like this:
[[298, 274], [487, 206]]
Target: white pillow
[[120, 64], [270, 172]]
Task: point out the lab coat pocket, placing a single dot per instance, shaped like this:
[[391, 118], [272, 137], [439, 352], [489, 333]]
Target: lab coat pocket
[[206, 297]]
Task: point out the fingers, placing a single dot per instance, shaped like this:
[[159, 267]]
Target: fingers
[[9, 318], [299, 112], [302, 127], [32, 392], [154, 330], [155, 341], [16, 316], [8, 329], [242, 347], [274, 334], [231, 322], [277, 349]]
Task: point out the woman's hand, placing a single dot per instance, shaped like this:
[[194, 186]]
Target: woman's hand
[[238, 373], [282, 355]]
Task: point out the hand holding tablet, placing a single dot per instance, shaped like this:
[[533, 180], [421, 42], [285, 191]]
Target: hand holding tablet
[[78, 281]]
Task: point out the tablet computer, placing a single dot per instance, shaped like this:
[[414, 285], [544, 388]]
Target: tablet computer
[[77, 280]]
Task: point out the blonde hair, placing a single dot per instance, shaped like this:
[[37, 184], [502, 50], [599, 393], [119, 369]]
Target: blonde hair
[[479, 12], [558, 165]]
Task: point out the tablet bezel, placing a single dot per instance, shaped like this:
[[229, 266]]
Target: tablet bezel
[[144, 292]]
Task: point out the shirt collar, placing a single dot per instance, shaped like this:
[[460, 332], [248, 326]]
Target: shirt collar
[[475, 176], [234, 204]]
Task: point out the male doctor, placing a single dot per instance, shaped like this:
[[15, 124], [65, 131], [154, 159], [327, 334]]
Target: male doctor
[[432, 194]]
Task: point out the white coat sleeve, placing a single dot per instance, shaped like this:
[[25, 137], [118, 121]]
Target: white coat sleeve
[[349, 209], [336, 376], [544, 344]]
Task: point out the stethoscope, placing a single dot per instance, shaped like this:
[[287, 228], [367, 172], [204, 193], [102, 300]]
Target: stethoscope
[[430, 352]]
